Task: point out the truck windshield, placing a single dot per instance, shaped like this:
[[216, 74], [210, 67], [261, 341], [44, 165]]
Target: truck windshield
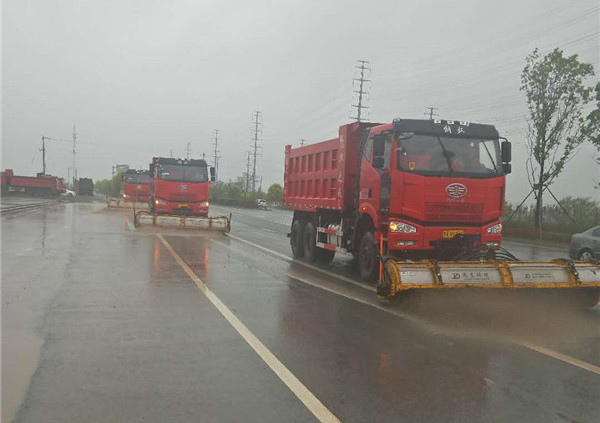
[[184, 173], [445, 156], [138, 179]]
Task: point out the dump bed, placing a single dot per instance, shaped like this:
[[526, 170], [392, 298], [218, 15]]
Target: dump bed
[[323, 175]]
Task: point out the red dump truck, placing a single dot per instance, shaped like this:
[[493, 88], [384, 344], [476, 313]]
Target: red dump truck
[[179, 195], [39, 185], [402, 195]]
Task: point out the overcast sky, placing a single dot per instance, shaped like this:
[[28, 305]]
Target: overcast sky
[[141, 78]]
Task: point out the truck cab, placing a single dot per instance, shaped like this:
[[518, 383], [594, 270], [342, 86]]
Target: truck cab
[[137, 185], [180, 186], [433, 185]]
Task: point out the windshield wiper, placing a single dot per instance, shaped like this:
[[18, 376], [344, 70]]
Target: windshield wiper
[[446, 155], [490, 156]]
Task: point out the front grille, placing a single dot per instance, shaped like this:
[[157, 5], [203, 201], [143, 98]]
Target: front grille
[[182, 196], [453, 212]]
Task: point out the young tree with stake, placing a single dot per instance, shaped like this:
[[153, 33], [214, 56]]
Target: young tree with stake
[[556, 96]]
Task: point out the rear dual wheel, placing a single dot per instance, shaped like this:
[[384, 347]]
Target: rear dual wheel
[[312, 253], [297, 239]]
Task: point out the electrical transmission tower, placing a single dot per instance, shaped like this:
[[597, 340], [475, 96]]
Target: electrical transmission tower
[[43, 150], [361, 89], [188, 150], [74, 152], [431, 112], [216, 156], [257, 123], [248, 172]]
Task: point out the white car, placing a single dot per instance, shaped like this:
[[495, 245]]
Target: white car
[[68, 195], [261, 204]]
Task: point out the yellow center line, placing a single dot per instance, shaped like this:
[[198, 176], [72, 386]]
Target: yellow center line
[[311, 402]]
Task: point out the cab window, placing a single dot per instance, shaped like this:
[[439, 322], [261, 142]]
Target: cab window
[[368, 149]]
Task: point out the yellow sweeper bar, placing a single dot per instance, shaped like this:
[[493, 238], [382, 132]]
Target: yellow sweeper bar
[[430, 274]]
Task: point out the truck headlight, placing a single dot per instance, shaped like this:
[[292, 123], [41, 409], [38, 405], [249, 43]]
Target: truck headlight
[[495, 229], [160, 202], [204, 204], [402, 227]]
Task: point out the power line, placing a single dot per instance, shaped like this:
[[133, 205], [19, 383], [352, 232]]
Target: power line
[[361, 80], [216, 156], [257, 122]]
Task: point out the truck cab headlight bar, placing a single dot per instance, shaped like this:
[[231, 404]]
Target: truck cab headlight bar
[[495, 229], [402, 227]]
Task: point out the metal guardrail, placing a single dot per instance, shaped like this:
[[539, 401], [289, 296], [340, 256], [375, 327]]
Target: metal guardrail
[[14, 208]]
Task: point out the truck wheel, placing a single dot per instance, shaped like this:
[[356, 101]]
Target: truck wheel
[[585, 254], [296, 239], [367, 257], [311, 252]]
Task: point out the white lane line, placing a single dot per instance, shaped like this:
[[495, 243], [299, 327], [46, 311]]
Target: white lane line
[[536, 348], [310, 266], [559, 356], [311, 402], [269, 230]]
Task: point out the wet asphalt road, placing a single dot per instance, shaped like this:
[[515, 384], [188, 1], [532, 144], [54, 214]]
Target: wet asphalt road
[[100, 322]]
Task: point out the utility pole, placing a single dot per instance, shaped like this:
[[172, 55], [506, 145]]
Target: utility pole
[[257, 122], [43, 150], [171, 153], [431, 113], [216, 155], [302, 142], [361, 92], [74, 152], [188, 149]]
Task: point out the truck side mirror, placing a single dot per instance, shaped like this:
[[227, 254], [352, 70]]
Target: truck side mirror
[[378, 162], [506, 168], [212, 174], [378, 146], [506, 152]]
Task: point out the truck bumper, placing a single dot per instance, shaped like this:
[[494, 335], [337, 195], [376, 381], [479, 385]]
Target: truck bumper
[[427, 238]]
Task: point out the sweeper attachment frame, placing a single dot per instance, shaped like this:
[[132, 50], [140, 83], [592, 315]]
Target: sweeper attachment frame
[[119, 203], [216, 223], [489, 273]]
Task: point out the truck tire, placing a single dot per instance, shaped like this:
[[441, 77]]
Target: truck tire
[[367, 257], [311, 252], [296, 239]]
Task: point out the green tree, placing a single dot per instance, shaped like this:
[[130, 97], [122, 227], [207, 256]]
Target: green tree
[[591, 127], [556, 95], [275, 193], [112, 186]]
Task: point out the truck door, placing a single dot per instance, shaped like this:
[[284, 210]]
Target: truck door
[[375, 182]]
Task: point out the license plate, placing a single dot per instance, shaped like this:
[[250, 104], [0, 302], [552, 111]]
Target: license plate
[[182, 205], [452, 233]]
